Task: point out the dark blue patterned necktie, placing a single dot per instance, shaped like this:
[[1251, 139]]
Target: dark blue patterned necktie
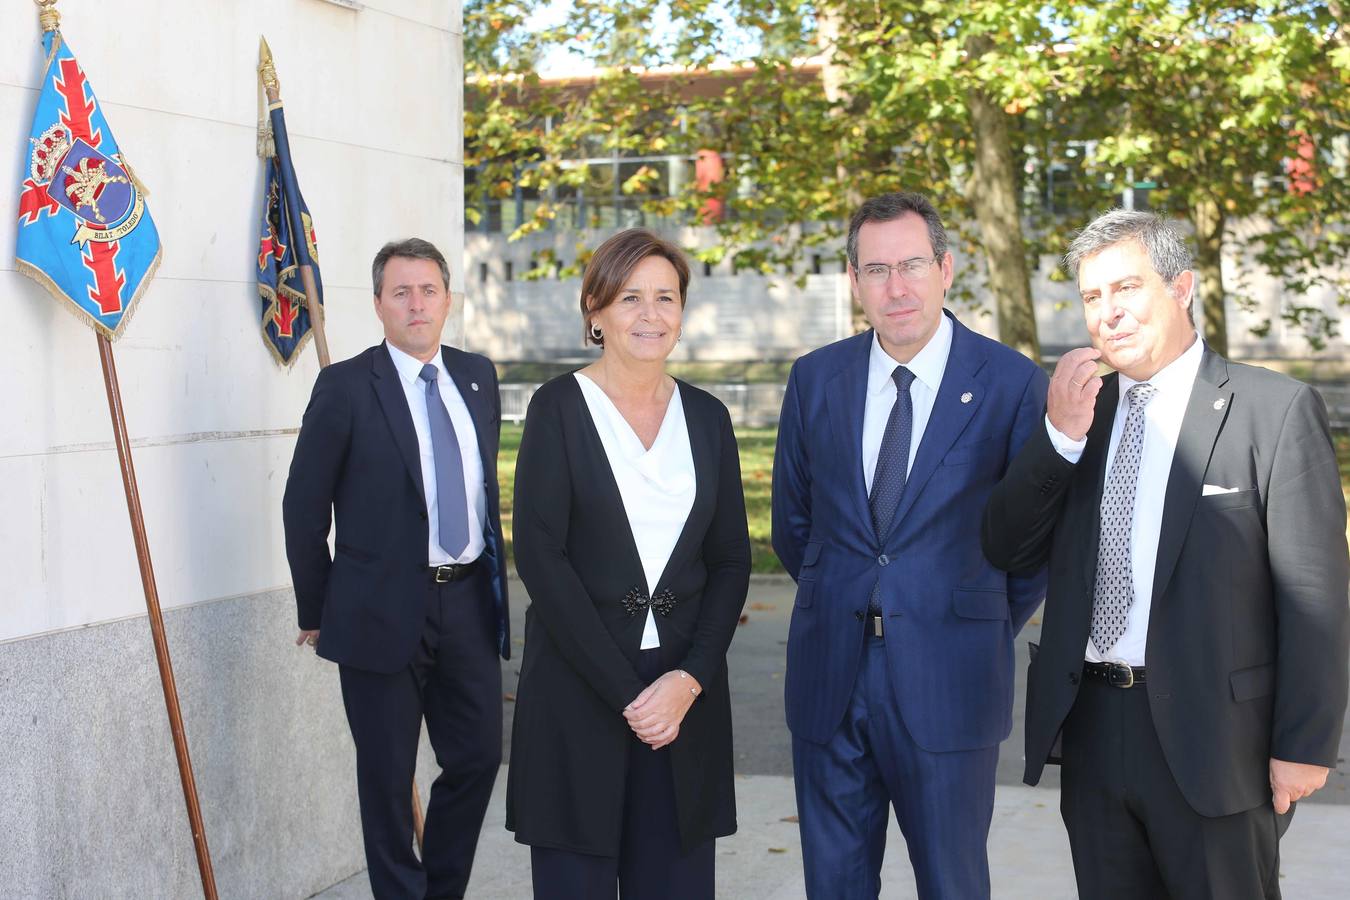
[[888, 481], [453, 514]]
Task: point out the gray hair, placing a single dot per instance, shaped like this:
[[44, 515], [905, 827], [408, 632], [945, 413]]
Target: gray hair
[[888, 208], [1167, 250], [408, 248]]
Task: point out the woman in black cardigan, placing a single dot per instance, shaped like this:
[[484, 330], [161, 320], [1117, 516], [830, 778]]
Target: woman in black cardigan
[[636, 559]]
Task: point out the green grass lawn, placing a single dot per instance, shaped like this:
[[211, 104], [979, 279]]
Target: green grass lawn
[[756, 446]]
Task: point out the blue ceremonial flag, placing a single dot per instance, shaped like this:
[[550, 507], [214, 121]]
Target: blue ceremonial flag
[[287, 242], [85, 233]]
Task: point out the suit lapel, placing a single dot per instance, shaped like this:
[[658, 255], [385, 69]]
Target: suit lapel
[[846, 395], [478, 403], [605, 475], [1093, 463], [394, 402], [703, 445], [959, 396], [1205, 415]]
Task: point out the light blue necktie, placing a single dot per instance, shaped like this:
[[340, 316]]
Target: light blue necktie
[[453, 511]]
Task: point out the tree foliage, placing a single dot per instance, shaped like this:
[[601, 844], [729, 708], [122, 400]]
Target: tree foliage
[[822, 102], [1235, 111]]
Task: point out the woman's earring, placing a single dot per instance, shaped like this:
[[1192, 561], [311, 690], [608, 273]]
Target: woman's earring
[[679, 335], [595, 332]]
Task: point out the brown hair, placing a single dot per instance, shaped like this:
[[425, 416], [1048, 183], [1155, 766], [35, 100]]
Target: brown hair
[[408, 248], [612, 263]]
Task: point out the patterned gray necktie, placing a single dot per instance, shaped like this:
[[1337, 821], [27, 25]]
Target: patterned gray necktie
[[452, 510], [888, 481], [1114, 592]]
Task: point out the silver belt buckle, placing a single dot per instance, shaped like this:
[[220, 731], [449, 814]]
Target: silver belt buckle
[[1120, 674], [444, 573], [876, 624]]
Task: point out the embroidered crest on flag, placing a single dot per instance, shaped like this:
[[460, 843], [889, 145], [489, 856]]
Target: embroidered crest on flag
[[85, 232]]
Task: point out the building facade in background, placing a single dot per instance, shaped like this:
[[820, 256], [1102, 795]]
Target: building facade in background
[[521, 310]]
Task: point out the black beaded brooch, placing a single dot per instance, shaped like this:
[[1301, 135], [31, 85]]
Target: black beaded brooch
[[636, 599]]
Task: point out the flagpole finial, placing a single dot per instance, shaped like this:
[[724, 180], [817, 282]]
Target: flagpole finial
[[48, 17], [267, 71]]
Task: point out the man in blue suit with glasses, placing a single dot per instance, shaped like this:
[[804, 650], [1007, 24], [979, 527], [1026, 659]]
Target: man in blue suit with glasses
[[900, 654]]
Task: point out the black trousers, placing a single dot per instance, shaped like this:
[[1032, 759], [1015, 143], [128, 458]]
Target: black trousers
[[1133, 835], [650, 865], [455, 682]]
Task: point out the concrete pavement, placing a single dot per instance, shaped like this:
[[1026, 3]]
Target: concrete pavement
[[1029, 853]]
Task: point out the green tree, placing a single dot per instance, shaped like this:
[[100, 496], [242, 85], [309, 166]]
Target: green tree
[[1214, 102], [829, 101]]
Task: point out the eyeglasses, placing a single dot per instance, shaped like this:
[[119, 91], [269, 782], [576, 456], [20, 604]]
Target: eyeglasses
[[910, 270]]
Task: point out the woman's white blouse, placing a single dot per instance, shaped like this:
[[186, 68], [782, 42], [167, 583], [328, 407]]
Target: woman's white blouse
[[657, 485]]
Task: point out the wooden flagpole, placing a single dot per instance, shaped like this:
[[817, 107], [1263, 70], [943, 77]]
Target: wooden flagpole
[[180, 746], [267, 74], [49, 20]]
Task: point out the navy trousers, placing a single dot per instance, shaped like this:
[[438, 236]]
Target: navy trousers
[[650, 865], [455, 682], [845, 788]]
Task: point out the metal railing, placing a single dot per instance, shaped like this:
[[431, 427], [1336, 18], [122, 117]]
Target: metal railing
[[515, 400]]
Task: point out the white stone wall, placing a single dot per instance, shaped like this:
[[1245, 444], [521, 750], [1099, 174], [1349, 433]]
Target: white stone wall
[[373, 103]]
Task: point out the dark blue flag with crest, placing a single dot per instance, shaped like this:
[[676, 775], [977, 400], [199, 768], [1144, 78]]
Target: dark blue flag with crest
[[286, 242]]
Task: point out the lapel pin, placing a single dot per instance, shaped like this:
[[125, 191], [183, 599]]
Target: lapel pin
[[967, 397], [473, 385], [1219, 404]]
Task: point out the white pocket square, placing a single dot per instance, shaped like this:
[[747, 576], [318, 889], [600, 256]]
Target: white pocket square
[[1210, 490]]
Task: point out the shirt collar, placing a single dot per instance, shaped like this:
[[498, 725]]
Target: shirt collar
[[927, 365], [410, 367], [1176, 376]]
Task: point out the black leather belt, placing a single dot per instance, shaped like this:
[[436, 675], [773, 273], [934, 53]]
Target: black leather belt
[[452, 571], [1114, 673]]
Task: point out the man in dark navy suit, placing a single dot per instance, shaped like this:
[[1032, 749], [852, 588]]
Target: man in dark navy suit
[[899, 675], [399, 445]]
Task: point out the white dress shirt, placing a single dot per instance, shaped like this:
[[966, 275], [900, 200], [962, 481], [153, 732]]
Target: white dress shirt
[[927, 365], [475, 492], [657, 485], [1162, 425]]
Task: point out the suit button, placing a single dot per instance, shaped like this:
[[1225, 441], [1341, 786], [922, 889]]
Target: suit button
[[858, 614], [1073, 678], [424, 515], [883, 560]]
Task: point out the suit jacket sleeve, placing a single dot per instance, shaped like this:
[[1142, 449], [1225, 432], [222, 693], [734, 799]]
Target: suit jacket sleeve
[[1026, 591], [307, 506], [791, 482], [726, 554], [1305, 521], [542, 512], [1019, 520]]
